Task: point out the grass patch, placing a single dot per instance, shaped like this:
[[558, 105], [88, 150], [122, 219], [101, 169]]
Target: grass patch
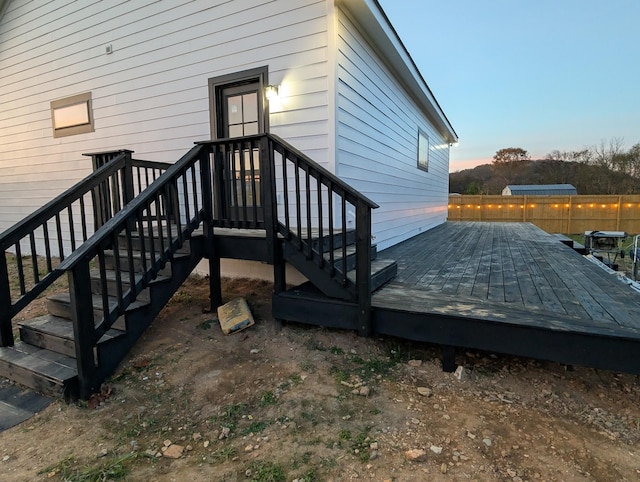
[[70, 469], [255, 428], [224, 454], [266, 472], [268, 398], [336, 350], [230, 415]]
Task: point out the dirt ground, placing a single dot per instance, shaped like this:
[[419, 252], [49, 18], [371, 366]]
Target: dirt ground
[[311, 404]]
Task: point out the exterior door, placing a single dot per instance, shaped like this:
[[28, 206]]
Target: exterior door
[[237, 111]]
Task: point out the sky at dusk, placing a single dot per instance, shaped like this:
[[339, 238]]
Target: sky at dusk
[[541, 75]]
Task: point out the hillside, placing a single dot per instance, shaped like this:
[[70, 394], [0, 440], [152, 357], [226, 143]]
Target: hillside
[[588, 178]]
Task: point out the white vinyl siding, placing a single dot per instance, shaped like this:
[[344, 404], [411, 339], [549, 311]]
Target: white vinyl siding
[[377, 143], [150, 94]]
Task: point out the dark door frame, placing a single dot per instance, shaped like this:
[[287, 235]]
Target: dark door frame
[[216, 86]]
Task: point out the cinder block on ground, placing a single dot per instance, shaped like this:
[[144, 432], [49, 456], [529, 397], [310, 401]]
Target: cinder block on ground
[[235, 316]]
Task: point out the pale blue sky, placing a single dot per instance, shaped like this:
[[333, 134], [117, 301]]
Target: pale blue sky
[[541, 75]]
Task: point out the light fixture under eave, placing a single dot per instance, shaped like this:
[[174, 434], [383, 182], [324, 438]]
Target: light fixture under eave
[[271, 92]]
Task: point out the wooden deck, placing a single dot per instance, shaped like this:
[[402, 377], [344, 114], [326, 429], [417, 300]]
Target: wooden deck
[[509, 288]]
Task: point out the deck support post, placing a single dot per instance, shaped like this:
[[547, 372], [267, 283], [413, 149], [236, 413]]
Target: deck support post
[[363, 267], [83, 327], [206, 180], [448, 358], [6, 331]]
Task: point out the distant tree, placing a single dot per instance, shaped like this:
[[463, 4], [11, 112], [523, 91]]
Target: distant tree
[[585, 155], [473, 188], [507, 163], [510, 154]]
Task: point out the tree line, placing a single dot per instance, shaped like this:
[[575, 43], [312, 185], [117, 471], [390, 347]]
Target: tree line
[[607, 168]]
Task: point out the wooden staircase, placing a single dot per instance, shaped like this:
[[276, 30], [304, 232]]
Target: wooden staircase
[[44, 356], [151, 230]]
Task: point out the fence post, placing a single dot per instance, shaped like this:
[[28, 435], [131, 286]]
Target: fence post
[[6, 330], [363, 267], [83, 327]]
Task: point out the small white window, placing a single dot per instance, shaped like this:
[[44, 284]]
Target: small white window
[[423, 151], [72, 115]]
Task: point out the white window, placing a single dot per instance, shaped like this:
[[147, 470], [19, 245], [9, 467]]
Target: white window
[[72, 115], [423, 151]]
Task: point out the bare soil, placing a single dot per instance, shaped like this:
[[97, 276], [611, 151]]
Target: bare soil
[[312, 404]]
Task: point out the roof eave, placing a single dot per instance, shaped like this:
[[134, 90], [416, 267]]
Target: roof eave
[[374, 21]]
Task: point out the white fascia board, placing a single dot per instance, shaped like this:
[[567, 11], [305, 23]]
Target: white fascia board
[[373, 20]]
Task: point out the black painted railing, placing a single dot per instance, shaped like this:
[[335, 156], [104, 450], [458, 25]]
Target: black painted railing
[[58, 228], [136, 243], [263, 182], [143, 218]]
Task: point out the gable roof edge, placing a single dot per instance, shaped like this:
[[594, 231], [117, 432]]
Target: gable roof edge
[[372, 18]]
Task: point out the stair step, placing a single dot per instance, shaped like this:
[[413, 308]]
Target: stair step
[[137, 262], [350, 237], [55, 334], [351, 257], [60, 305], [137, 243], [42, 370], [382, 271], [144, 295]]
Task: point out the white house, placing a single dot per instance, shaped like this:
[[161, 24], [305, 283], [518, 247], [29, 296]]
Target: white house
[[155, 76]]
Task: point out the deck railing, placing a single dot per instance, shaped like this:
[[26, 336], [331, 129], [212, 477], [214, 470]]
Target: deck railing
[[58, 228]]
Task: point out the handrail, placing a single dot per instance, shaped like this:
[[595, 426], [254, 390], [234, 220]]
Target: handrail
[[353, 194], [58, 204], [162, 217], [102, 234], [61, 226]]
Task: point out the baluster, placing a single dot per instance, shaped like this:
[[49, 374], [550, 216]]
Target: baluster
[[47, 246], [34, 258], [20, 269], [320, 227]]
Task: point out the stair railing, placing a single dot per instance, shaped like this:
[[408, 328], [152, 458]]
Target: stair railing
[[317, 211], [58, 228], [161, 219], [262, 182]]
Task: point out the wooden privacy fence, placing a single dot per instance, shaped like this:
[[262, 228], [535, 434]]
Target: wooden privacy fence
[[554, 214]]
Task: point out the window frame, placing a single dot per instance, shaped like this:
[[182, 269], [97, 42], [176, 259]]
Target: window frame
[[72, 130], [422, 163]]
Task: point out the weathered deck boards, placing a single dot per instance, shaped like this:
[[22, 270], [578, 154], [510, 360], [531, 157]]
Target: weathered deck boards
[[509, 287]]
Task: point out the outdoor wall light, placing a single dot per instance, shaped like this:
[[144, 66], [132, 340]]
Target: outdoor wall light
[[271, 92]]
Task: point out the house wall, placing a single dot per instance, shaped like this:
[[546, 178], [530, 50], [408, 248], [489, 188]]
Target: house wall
[[377, 139], [150, 95]]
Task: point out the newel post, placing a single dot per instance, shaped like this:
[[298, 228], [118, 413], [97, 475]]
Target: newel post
[[206, 180], [102, 199], [363, 267], [83, 327], [6, 332]]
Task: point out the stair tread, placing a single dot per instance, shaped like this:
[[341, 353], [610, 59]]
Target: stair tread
[[54, 366], [60, 327], [97, 301], [111, 276]]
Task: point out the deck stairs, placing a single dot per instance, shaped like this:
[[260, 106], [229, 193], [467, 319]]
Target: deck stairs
[[150, 233]]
